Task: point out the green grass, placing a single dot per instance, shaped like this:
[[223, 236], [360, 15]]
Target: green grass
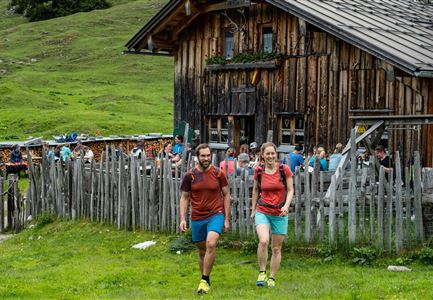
[[69, 74], [78, 260]]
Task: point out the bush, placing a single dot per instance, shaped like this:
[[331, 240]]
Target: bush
[[37, 10], [182, 243], [363, 256], [425, 255], [44, 219]]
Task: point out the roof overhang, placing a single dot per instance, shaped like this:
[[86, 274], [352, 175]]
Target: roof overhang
[[162, 31]]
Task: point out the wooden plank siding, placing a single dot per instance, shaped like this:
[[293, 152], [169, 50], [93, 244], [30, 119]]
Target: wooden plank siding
[[320, 76]]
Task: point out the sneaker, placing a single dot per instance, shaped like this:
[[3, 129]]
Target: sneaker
[[261, 279], [203, 287], [271, 283]]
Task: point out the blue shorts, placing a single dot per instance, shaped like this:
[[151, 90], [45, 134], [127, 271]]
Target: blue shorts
[[278, 224], [202, 227]]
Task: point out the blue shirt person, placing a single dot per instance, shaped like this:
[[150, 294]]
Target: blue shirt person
[[66, 152], [178, 145], [335, 158], [295, 158]]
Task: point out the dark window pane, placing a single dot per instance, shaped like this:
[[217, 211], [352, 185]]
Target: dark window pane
[[286, 123], [286, 137], [225, 123], [299, 123]]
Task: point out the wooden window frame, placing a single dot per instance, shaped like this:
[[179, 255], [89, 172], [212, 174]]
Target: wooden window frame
[[219, 129], [263, 27], [224, 32], [291, 129]]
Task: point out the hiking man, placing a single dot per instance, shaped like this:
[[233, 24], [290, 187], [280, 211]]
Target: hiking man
[[207, 188]]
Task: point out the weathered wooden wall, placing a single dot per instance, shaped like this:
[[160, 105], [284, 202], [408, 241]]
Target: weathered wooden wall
[[322, 77]]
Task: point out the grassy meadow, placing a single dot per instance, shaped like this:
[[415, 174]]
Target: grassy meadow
[[79, 260], [69, 74]]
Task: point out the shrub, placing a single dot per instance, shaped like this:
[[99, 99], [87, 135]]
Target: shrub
[[425, 255], [37, 10], [363, 256], [182, 243], [44, 219]]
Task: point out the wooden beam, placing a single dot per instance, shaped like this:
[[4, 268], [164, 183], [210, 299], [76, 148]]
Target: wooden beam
[[360, 138], [229, 4], [395, 119], [185, 25]]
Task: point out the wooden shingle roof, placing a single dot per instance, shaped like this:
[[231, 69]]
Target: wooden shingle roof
[[398, 31]]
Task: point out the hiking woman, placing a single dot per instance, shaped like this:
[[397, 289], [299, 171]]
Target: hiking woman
[[272, 195]]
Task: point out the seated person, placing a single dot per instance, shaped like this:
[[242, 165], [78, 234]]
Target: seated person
[[229, 161], [16, 156], [138, 150], [57, 153], [243, 165], [166, 151], [295, 158], [88, 154], [189, 152], [323, 163], [335, 158], [48, 152], [66, 152], [178, 145], [78, 149], [16, 163]]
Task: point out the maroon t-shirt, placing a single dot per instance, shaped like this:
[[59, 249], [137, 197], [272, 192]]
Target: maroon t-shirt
[[205, 192]]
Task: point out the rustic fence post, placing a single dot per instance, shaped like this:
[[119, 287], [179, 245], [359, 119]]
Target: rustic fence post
[[352, 189], [332, 209], [298, 203], [120, 199], [408, 196], [362, 203], [321, 210], [307, 205], [389, 212], [419, 232], [380, 206], [247, 201], [132, 175], [340, 206], [107, 184], [373, 190], [2, 205], [398, 204]]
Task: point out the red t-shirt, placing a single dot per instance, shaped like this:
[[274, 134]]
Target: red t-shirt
[[205, 192], [230, 165], [273, 190]]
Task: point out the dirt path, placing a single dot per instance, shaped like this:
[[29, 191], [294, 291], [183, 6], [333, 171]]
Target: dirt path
[[4, 237]]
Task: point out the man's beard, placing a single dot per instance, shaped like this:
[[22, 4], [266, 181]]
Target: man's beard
[[204, 164]]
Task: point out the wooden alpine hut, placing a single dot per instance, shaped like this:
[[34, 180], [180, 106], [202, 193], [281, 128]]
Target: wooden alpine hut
[[302, 71]]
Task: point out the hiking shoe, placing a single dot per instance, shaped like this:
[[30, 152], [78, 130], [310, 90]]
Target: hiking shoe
[[261, 279], [271, 283], [203, 287]]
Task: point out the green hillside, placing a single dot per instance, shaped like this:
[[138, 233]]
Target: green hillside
[[69, 74]]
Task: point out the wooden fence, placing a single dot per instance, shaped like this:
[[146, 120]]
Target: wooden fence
[[12, 206], [145, 194]]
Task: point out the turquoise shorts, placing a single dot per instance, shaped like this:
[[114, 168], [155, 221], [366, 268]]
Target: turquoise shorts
[[201, 228], [278, 224]]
